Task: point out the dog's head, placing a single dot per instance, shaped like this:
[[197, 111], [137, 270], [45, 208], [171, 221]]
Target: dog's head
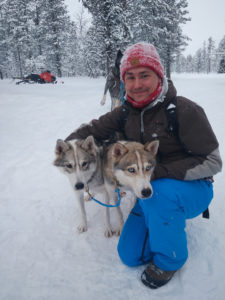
[[77, 159], [133, 166]]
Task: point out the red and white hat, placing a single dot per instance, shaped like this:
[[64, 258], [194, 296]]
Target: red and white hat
[[141, 55]]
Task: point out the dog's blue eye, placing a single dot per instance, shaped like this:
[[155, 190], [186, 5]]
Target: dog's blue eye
[[148, 168], [131, 170]]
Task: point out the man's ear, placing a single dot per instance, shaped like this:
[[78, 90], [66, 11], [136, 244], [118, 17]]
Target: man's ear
[[152, 147]]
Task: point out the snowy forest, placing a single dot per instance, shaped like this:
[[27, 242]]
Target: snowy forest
[[36, 35]]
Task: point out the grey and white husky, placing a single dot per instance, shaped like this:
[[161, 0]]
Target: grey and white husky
[[113, 83], [130, 165], [81, 161], [127, 165]]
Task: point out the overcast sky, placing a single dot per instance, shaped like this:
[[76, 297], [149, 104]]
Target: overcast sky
[[208, 19]]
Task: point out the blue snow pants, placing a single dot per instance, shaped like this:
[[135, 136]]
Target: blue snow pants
[[155, 228]]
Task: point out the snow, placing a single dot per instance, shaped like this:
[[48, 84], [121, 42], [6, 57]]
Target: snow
[[41, 254]]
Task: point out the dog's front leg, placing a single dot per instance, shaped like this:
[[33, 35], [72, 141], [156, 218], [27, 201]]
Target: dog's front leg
[[114, 199], [108, 229], [82, 227], [103, 99], [105, 92], [119, 214], [115, 102]]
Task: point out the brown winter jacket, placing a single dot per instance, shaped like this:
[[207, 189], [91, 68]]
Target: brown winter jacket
[[193, 155]]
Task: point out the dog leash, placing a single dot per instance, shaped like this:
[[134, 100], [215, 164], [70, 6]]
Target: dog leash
[[117, 191]]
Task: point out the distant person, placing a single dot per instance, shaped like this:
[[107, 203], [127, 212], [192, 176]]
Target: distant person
[[44, 77], [47, 77]]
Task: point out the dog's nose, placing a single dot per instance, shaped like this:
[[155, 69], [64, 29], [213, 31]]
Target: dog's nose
[[79, 186], [146, 193]]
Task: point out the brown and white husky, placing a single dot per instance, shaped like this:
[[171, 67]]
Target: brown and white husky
[[127, 165]]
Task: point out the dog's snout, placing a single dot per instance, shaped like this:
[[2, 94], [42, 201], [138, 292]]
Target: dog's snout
[[79, 186], [146, 193]]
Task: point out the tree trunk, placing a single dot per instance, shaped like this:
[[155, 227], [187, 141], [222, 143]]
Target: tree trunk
[[168, 64], [20, 63]]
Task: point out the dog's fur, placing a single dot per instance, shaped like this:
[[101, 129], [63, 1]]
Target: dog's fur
[[128, 165], [113, 83], [81, 161]]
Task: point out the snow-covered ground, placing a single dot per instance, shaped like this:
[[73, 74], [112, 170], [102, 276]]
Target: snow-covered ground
[[42, 257]]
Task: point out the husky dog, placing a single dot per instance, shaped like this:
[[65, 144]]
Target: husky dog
[[113, 83], [127, 165], [130, 165], [81, 161]]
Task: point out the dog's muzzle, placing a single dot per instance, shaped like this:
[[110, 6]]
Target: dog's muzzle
[[79, 186]]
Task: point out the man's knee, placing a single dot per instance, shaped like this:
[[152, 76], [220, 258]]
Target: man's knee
[[127, 258]]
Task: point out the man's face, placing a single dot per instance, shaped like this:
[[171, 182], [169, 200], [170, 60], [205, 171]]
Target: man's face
[[140, 82]]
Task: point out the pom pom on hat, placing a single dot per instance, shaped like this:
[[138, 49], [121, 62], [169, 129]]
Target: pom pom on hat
[[141, 55]]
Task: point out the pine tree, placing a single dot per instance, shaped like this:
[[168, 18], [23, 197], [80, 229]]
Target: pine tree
[[3, 42], [95, 60], [221, 47], [82, 24], [198, 61], [70, 59], [18, 38], [146, 22], [39, 59], [55, 23], [221, 56], [209, 59], [109, 29], [171, 39], [204, 57]]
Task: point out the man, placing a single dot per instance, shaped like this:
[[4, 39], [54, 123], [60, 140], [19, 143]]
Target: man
[[47, 77], [154, 232]]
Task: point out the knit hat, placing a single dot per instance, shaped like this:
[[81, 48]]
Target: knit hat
[[141, 55]]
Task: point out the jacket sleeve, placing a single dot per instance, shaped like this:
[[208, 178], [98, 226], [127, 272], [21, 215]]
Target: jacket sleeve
[[202, 158], [101, 128]]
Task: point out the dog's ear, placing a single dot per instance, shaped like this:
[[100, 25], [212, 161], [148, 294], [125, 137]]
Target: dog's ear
[[61, 147], [118, 58], [119, 55], [152, 147], [118, 150], [89, 145]]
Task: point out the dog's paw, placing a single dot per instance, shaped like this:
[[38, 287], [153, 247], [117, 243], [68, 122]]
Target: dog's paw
[[87, 198], [123, 194], [103, 100], [82, 228], [108, 233], [118, 231]]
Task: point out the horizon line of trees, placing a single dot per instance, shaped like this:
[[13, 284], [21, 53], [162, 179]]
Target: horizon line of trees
[[206, 59], [39, 34]]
